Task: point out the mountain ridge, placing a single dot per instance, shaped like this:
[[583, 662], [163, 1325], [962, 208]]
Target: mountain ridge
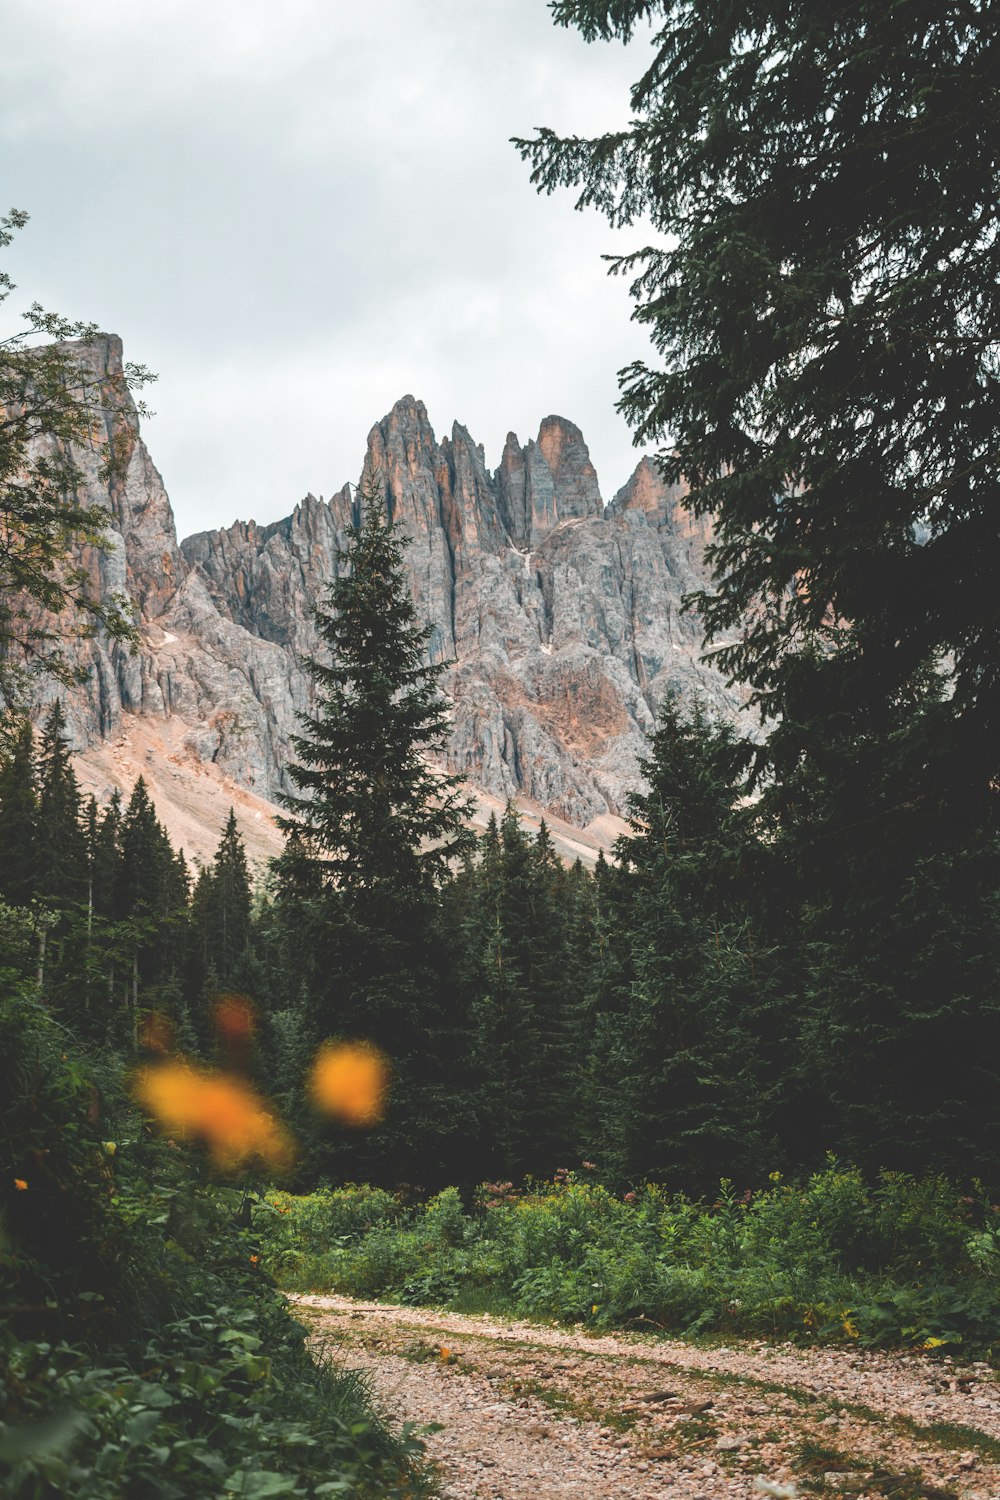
[[560, 615]]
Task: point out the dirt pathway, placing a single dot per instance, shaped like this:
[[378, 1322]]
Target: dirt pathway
[[531, 1412]]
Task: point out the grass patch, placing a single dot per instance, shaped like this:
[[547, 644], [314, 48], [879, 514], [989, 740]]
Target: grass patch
[[950, 1435], [693, 1432], [815, 1461]]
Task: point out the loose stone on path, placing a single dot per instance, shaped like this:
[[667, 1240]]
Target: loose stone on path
[[531, 1412]]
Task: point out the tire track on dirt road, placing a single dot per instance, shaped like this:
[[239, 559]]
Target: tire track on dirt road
[[534, 1412]]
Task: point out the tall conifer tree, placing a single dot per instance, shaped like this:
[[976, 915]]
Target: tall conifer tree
[[105, 855], [523, 966], [678, 1058], [221, 909], [381, 829], [19, 819], [825, 305], [62, 847], [380, 820], [825, 314], [151, 896]]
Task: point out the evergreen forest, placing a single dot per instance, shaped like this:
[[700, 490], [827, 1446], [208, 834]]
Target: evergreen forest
[[739, 987], [741, 1075]]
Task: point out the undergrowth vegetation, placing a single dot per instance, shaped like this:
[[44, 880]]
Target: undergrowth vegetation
[[897, 1261], [143, 1349]]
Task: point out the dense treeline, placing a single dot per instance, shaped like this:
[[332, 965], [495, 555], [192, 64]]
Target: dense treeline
[[736, 992], [792, 953], [795, 949]]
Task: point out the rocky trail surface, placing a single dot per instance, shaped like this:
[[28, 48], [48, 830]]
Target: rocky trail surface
[[532, 1412]]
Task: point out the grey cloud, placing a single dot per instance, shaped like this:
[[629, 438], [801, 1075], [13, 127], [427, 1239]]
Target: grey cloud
[[297, 213]]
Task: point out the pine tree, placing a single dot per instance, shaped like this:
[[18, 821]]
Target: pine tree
[[290, 936], [535, 922], [222, 949], [144, 851], [381, 830], [62, 852], [682, 1096], [201, 984], [382, 823], [19, 819], [523, 975], [221, 911], [505, 1042], [689, 817], [151, 902], [578, 959], [895, 912], [605, 1002], [105, 856], [826, 312], [232, 901]]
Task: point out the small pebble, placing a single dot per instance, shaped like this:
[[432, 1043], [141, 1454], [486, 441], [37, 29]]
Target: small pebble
[[572, 1455]]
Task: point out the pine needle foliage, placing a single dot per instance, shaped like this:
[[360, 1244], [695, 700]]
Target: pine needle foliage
[[682, 1034], [376, 815], [62, 850], [824, 299], [19, 817]]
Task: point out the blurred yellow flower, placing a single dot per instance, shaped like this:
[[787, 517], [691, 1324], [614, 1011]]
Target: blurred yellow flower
[[235, 1020], [20, 1184], [156, 1032], [222, 1111], [349, 1080]]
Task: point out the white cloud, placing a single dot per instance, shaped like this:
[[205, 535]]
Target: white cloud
[[297, 213]]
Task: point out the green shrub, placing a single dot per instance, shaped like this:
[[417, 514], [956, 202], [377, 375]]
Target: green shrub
[[897, 1261], [143, 1350], [312, 1230]]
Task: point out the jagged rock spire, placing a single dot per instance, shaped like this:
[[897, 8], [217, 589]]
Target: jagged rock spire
[[563, 621]]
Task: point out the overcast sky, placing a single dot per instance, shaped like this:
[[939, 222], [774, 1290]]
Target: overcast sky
[[296, 211]]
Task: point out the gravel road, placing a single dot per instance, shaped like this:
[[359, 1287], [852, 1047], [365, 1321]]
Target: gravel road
[[533, 1412]]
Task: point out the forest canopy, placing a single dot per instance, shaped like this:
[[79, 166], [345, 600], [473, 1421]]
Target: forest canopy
[[823, 293]]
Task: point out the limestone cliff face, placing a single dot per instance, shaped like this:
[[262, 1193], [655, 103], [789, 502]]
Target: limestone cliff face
[[562, 616], [228, 686]]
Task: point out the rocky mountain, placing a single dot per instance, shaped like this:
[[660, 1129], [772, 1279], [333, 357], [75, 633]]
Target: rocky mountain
[[562, 615]]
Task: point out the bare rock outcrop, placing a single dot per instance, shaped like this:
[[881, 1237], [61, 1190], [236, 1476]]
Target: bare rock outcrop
[[562, 618]]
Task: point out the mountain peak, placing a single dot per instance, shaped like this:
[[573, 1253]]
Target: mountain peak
[[561, 623]]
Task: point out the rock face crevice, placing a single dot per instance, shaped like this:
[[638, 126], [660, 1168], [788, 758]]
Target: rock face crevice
[[561, 616]]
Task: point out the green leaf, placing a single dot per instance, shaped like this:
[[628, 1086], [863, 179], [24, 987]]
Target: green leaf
[[140, 1428], [260, 1484]]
